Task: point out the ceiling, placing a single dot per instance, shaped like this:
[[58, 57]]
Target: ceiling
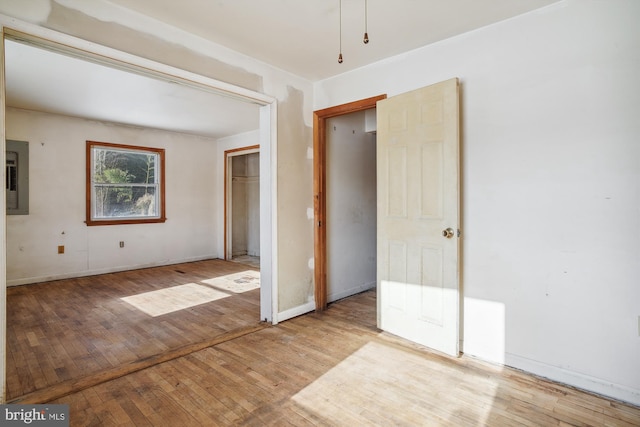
[[298, 36], [74, 87], [302, 36]]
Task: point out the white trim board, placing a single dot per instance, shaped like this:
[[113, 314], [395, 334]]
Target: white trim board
[[352, 291], [296, 311], [85, 273], [54, 40], [575, 379]]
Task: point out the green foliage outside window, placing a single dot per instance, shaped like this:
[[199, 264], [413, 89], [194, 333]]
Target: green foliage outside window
[[124, 182]]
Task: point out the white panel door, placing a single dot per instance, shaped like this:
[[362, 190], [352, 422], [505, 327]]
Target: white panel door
[[418, 202]]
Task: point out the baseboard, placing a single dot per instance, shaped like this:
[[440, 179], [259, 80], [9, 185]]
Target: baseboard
[[575, 379], [49, 278], [311, 306], [352, 291], [296, 311]]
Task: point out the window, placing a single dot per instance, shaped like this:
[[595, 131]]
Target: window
[[125, 184], [16, 177]]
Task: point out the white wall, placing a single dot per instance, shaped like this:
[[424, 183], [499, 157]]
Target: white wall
[[551, 185], [243, 140], [253, 204], [239, 208], [351, 206], [245, 209], [549, 111], [57, 202], [116, 27]]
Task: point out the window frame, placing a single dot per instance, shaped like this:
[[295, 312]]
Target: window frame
[[21, 149], [90, 220]]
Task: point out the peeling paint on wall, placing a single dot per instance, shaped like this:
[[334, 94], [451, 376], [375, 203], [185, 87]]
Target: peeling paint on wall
[[147, 46], [28, 10], [295, 195], [139, 35]]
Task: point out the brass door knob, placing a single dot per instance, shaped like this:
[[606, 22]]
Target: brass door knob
[[448, 233]]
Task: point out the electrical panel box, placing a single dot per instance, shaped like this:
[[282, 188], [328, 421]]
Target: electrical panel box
[[17, 177]]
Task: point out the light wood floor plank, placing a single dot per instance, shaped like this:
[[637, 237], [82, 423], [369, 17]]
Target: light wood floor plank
[[280, 376], [335, 369], [63, 331]]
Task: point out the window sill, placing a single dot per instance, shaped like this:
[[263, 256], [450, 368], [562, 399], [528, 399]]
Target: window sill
[[126, 221]]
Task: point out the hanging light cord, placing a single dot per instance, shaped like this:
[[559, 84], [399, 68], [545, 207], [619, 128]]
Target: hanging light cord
[[365, 40], [340, 55]]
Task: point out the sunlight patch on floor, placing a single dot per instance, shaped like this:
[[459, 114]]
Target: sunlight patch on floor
[[164, 301], [400, 387], [253, 261], [169, 300], [237, 283]]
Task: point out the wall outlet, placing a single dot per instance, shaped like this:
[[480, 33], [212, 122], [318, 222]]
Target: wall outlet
[[61, 249], [122, 244]]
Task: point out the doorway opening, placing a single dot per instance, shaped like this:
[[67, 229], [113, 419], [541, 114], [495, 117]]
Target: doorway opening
[[351, 196], [242, 205], [80, 49], [320, 165]]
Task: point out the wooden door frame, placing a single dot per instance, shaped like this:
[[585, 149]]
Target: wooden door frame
[[228, 154], [320, 118]]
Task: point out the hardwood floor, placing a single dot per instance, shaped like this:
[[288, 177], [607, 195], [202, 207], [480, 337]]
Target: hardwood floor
[[69, 332], [214, 364], [332, 369], [248, 260]]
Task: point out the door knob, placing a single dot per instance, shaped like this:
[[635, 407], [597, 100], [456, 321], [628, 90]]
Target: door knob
[[448, 233]]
